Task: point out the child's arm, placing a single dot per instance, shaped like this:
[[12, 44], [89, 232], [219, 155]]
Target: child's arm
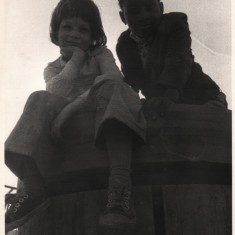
[[178, 60], [108, 70], [107, 66], [177, 67], [60, 81]]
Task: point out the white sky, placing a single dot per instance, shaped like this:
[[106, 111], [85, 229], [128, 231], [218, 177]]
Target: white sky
[[28, 48]]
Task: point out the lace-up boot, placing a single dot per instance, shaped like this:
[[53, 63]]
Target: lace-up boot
[[119, 211], [20, 207]]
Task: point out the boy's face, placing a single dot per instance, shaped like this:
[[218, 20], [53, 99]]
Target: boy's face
[[142, 16], [75, 32]]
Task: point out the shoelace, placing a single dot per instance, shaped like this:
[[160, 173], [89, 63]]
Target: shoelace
[[9, 199], [13, 201], [119, 198]]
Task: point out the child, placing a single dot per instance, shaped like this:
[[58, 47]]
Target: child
[[156, 58], [84, 74]]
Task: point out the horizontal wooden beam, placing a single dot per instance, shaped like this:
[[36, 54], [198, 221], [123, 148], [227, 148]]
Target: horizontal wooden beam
[[172, 173]]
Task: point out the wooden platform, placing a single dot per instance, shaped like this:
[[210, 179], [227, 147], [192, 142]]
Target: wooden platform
[[161, 210], [181, 177]]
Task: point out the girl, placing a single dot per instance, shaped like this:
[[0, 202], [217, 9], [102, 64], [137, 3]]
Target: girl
[[84, 74]]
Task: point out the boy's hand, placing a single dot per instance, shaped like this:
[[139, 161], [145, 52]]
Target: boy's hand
[[68, 52], [156, 106]]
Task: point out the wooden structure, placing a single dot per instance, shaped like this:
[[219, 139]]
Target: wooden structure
[[181, 178]]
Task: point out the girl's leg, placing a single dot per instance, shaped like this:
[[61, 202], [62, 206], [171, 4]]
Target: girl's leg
[[118, 139], [29, 173], [28, 151], [119, 120], [33, 180], [119, 209], [29, 198]]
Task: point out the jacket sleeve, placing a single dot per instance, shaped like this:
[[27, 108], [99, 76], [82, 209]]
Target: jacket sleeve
[[178, 57], [128, 56]]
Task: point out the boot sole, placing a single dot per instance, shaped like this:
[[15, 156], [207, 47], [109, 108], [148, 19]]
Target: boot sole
[[112, 224]]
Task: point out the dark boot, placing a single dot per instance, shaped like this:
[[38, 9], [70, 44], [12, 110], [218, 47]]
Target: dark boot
[[20, 207], [119, 211]]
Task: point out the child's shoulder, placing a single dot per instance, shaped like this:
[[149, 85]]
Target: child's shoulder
[[175, 16], [125, 35], [173, 20], [100, 51]]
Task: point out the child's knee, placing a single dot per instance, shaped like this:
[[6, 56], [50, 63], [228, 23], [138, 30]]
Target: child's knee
[[40, 100], [111, 83], [38, 95], [108, 87], [105, 90]]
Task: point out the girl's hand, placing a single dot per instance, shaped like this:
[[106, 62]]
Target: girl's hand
[[68, 52]]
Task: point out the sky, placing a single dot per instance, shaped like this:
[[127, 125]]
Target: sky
[[28, 48]]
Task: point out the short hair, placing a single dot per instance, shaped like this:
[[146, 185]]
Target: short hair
[[84, 9], [121, 2]]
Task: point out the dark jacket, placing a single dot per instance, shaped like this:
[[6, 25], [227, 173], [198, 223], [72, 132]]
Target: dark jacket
[[170, 63]]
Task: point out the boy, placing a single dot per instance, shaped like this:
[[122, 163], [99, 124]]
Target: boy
[[156, 58]]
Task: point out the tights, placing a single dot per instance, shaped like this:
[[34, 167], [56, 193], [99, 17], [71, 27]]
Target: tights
[[119, 147]]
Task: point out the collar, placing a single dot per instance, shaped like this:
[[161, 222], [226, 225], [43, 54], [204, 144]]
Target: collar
[[62, 61], [140, 40]]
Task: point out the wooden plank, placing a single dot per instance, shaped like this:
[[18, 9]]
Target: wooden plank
[[144, 174], [166, 210], [189, 145], [186, 133], [197, 210], [78, 214]]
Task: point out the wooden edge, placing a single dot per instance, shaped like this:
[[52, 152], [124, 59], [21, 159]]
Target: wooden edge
[[167, 173]]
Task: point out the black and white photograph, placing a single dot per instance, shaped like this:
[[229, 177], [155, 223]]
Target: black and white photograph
[[117, 117]]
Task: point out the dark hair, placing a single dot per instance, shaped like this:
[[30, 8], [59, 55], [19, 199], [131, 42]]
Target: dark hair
[[84, 9], [121, 2]]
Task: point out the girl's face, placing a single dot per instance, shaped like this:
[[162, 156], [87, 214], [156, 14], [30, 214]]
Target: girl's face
[[75, 32]]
